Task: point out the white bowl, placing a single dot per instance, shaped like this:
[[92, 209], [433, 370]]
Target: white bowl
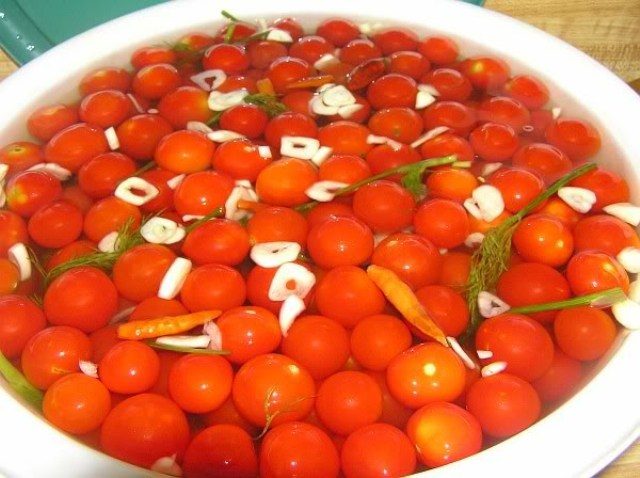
[[579, 438]]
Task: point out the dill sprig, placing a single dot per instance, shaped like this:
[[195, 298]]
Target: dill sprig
[[412, 178], [268, 103], [491, 259], [20, 383]]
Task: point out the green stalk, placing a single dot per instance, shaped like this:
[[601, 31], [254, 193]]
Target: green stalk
[[186, 350], [196, 224], [604, 298], [19, 383]]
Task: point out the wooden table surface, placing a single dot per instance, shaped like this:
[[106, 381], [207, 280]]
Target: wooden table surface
[[608, 30]]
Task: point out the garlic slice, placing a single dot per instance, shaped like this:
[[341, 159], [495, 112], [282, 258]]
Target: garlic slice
[[629, 258], [124, 191], [88, 368], [317, 106], [490, 305], [627, 313], [493, 368], [486, 203], [224, 135], [174, 278], [348, 111], [175, 181], [215, 335], [112, 138], [324, 191], [489, 168], [167, 465], [455, 346], [202, 79], [627, 212], [108, 242], [55, 170], [432, 133], [192, 217], [192, 341], [376, 139], [634, 291], [19, 255], [579, 199], [242, 190], [432, 90], [325, 61], [424, 99], [291, 308], [152, 111], [219, 101], [299, 147], [199, 127], [484, 354], [274, 254], [265, 152], [474, 239], [556, 112], [322, 155], [4, 169], [279, 35], [160, 230], [3, 196], [337, 95], [291, 279], [135, 103]]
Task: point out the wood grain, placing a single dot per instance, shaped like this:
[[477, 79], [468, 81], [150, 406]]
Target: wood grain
[[609, 31]]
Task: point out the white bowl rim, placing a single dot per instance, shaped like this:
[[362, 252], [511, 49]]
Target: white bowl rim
[[576, 448]]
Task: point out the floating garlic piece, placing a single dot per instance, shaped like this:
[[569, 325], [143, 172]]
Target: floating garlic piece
[[175, 181], [455, 346], [474, 239], [199, 126], [627, 212], [325, 61], [108, 242], [376, 139], [291, 279], [432, 90], [112, 138], [424, 99], [274, 254], [493, 368], [629, 258], [490, 305], [174, 278], [486, 203], [88, 368], [265, 152], [634, 291], [152, 111], [279, 35], [192, 217], [627, 313], [579, 199], [242, 190], [219, 101], [484, 354], [125, 189], [556, 112], [121, 315], [317, 106], [192, 341], [324, 191], [369, 28], [202, 79], [489, 168], [337, 95], [299, 147], [348, 111], [167, 465], [160, 230], [53, 169], [19, 255], [324, 87], [432, 133], [3, 196], [323, 153], [4, 169], [215, 335], [224, 135], [443, 251], [135, 103], [262, 24], [291, 308]]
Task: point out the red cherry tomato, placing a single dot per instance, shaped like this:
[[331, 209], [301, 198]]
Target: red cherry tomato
[[395, 39], [340, 241], [446, 307], [391, 90], [527, 89], [546, 160], [544, 239], [451, 183], [289, 123], [562, 378], [345, 137], [110, 215], [31, 190], [590, 271], [20, 319], [45, 122], [232, 59], [105, 108], [584, 333], [310, 48], [494, 141], [248, 120], [459, 118], [377, 339], [450, 84], [20, 156], [609, 187], [488, 74], [604, 233], [384, 206], [213, 287], [443, 222], [577, 138], [184, 152], [284, 182], [99, 177], [56, 225], [358, 51], [154, 81], [439, 50], [383, 157], [138, 272], [273, 224], [219, 241], [399, 124], [75, 145], [184, 104], [447, 144], [338, 31], [105, 79], [129, 367], [202, 193], [286, 70], [240, 159], [139, 135], [264, 52]]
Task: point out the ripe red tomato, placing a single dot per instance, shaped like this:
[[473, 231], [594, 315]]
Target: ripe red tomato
[[289, 123], [517, 186], [31, 190], [45, 122], [20, 319], [139, 135], [202, 193], [56, 225], [456, 116], [541, 158], [20, 156], [562, 378], [105, 108], [377, 339], [384, 206], [184, 151], [75, 145], [273, 224], [138, 272], [446, 307], [286, 70], [450, 84], [577, 138], [129, 367], [545, 239], [154, 81], [345, 137], [399, 124], [390, 40], [451, 183], [527, 89], [590, 271], [310, 48], [99, 176], [383, 157], [504, 110], [391, 90], [494, 141], [439, 49], [604, 233], [584, 333], [110, 215], [488, 74], [443, 222], [338, 31], [344, 168], [340, 241], [232, 59], [105, 79], [13, 229], [284, 182], [219, 241], [609, 187], [184, 104], [213, 287]]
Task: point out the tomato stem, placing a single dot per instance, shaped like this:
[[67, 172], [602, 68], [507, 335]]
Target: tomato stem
[[20, 383], [604, 298], [228, 15]]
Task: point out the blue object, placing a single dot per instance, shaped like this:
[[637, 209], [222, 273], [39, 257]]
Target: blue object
[[28, 28]]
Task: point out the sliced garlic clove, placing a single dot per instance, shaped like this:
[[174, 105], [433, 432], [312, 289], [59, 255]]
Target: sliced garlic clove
[[484, 354], [324, 191], [474, 240], [175, 181], [108, 242], [265, 152], [242, 190], [152, 111], [556, 112], [291, 279], [135, 103], [219, 101], [224, 135], [472, 208], [4, 169], [432, 90], [429, 135], [299, 147], [122, 315], [158, 230], [199, 127], [323, 153], [317, 106], [53, 169], [489, 202], [424, 99], [455, 346], [579, 199], [19, 256], [191, 341], [215, 335], [291, 308], [337, 95], [627, 313], [493, 368], [490, 305], [325, 61], [202, 79], [489, 168], [274, 254], [125, 191], [627, 212], [634, 291], [174, 278], [279, 35], [112, 138], [629, 258], [3, 196], [324, 87], [192, 217], [88, 368], [167, 465], [376, 139], [348, 111]]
